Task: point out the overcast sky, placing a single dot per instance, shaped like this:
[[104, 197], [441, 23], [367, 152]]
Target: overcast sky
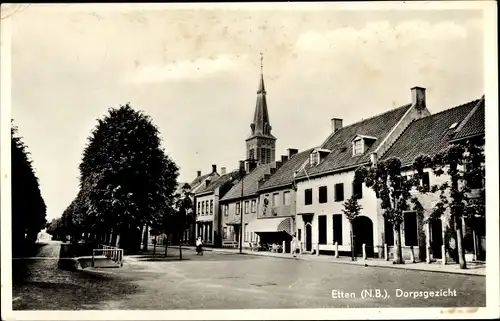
[[196, 73]]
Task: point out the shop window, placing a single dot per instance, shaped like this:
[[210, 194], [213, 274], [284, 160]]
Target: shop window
[[322, 229], [337, 228], [339, 192], [308, 197], [323, 194], [410, 228]]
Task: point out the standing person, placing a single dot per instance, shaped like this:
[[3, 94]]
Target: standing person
[[294, 245], [199, 246]]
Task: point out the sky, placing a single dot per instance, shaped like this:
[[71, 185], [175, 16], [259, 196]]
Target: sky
[[196, 71]]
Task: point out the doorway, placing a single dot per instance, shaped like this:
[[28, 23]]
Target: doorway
[[436, 238], [362, 227], [308, 237]]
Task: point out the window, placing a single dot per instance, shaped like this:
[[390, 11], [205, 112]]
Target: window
[[206, 207], [199, 207], [245, 233], [276, 197], [339, 192], [254, 206], [389, 232], [247, 203], [251, 154], [286, 198], [237, 208], [211, 206], [337, 228], [425, 180], [224, 233], [357, 189], [323, 194], [202, 207], [226, 209], [299, 234], [268, 156], [357, 147], [263, 155], [314, 158], [308, 196], [410, 228], [322, 229]]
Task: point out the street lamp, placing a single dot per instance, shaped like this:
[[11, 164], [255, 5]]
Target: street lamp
[[242, 175]]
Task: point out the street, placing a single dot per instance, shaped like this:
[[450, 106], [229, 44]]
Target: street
[[233, 281]]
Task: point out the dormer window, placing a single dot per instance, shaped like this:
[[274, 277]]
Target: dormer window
[[314, 158], [361, 143], [358, 147]]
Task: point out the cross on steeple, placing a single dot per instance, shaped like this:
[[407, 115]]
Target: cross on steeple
[[261, 59]]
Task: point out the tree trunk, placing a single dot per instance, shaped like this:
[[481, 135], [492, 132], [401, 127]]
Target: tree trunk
[[460, 248], [398, 256], [117, 244], [166, 244], [352, 244], [145, 239], [180, 248]]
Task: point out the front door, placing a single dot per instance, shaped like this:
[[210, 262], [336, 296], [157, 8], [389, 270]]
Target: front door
[[363, 234], [308, 237], [436, 238]]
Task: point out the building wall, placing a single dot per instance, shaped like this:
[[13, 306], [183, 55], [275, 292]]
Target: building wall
[[202, 216], [368, 202], [277, 210], [231, 216]]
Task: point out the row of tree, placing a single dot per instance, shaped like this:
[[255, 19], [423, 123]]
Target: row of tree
[[463, 164], [28, 207], [127, 185]]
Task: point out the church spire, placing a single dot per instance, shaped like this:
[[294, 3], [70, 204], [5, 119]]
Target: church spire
[[261, 144]]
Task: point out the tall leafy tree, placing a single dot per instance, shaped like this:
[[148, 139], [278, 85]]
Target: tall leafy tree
[[181, 215], [125, 175], [393, 189], [28, 206], [463, 164], [351, 210]]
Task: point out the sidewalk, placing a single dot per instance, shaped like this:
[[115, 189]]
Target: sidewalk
[[473, 268]]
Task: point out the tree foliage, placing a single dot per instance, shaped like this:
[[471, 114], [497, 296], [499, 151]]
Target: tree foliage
[[28, 206], [351, 208], [126, 179], [393, 189]]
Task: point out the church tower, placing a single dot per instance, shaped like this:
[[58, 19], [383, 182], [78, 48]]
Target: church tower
[[261, 144]]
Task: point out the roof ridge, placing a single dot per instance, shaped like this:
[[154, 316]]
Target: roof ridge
[[469, 115], [453, 108]]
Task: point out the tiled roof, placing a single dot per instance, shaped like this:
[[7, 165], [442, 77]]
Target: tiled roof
[[250, 182], [474, 125], [198, 180], [284, 175], [340, 142], [210, 188], [428, 135]]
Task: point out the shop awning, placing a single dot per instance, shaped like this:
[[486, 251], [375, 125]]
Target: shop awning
[[235, 221], [269, 225]]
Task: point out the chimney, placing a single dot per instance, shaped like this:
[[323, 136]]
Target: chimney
[[418, 97], [336, 124], [284, 158], [222, 171], [373, 158], [214, 168], [198, 173], [242, 166], [207, 182], [291, 152]]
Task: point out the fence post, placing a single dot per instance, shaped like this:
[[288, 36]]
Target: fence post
[[284, 246], [336, 250], [443, 254], [386, 252], [427, 254], [364, 251], [412, 254], [317, 249]]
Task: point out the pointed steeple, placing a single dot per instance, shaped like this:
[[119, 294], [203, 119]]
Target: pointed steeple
[[261, 125]]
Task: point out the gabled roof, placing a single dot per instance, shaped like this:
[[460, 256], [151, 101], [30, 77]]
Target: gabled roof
[[428, 135], [474, 124], [285, 174], [210, 188], [250, 182], [340, 142]]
